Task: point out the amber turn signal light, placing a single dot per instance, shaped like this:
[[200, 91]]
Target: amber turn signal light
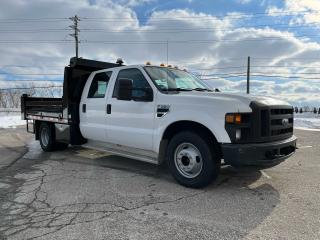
[[230, 118], [238, 118], [233, 118]]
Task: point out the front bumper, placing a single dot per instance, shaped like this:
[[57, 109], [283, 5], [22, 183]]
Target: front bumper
[[261, 154]]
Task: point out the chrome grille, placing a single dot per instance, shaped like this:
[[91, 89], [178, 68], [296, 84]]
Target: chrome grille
[[281, 121]]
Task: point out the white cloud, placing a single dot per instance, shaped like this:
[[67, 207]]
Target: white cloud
[[133, 3], [306, 11], [243, 1]]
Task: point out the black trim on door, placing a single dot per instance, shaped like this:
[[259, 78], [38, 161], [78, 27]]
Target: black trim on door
[[108, 108]]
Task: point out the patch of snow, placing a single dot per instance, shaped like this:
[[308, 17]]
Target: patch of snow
[[10, 120], [307, 121]]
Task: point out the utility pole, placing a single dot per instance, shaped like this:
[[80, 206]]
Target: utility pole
[[167, 52], [75, 21], [248, 76]]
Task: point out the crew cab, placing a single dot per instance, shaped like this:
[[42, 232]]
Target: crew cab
[[161, 114]]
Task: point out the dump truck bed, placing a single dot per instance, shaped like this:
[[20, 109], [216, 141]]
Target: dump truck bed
[[46, 109]]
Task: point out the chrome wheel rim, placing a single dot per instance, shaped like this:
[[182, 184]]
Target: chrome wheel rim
[[188, 160], [44, 136]]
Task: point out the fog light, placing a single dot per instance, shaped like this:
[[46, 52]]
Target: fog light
[[238, 134]]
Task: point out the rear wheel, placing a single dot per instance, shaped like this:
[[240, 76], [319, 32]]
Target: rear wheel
[[46, 137], [192, 160]]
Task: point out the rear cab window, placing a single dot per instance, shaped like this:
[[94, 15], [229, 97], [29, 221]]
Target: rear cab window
[[99, 85]]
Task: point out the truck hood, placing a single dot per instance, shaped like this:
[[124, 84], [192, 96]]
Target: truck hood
[[243, 98]]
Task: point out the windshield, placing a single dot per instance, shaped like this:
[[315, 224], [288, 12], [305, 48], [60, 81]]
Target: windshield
[[171, 79]]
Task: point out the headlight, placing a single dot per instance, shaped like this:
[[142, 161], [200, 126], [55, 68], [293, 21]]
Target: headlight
[[238, 126], [238, 134]]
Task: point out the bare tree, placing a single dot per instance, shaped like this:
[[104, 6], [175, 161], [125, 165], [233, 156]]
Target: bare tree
[[306, 109]]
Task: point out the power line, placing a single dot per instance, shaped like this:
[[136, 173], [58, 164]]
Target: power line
[[177, 30], [34, 30], [257, 66], [281, 13], [32, 19], [284, 66], [14, 41], [279, 76], [235, 73], [190, 41], [221, 74], [268, 58], [213, 17], [228, 76], [157, 30], [305, 73]]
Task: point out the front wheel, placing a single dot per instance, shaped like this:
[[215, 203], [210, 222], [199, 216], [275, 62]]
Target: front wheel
[[192, 161]]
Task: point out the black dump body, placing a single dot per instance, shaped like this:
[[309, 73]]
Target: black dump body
[[64, 110]]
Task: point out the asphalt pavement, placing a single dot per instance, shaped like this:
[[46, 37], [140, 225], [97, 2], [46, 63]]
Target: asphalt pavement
[[85, 194]]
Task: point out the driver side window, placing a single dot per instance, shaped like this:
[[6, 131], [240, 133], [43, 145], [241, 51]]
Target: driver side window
[[139, 82]]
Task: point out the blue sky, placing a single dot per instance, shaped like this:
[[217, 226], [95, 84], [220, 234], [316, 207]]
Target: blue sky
[[211, 38], [216, 7]]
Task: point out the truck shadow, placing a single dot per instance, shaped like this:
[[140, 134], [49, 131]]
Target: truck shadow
[[237, 202]]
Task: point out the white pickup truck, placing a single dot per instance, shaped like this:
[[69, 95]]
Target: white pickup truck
[[161, 114]]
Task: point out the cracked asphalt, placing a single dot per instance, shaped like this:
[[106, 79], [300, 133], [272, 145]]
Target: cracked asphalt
[[85, 194]]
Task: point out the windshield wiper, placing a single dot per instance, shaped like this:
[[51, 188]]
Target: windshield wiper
[[177, 89], [202, 89]]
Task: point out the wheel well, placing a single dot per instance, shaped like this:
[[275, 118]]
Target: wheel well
[[36, 129], [179, 126]]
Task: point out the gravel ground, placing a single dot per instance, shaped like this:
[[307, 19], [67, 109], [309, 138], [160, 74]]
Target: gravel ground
[[85, 194]]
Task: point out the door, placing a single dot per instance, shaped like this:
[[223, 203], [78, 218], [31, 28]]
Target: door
[[93, 107], [131, 122]]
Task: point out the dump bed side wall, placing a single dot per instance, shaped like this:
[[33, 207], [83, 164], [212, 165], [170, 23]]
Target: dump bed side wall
[[41, 108]]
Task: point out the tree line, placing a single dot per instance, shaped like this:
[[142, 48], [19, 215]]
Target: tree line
[[11, 98], [307, 109]]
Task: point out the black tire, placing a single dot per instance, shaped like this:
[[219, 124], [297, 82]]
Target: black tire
[[47, 137], [210, 159]]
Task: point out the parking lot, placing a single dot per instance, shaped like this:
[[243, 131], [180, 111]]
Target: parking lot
[[85, 194]]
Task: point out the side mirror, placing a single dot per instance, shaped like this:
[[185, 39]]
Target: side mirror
[[125, 89]]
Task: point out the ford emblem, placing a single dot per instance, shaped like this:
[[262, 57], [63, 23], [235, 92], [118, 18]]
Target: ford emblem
[[285, 122]]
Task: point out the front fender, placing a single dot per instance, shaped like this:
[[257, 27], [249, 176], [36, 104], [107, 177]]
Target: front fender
[[214, 124]]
